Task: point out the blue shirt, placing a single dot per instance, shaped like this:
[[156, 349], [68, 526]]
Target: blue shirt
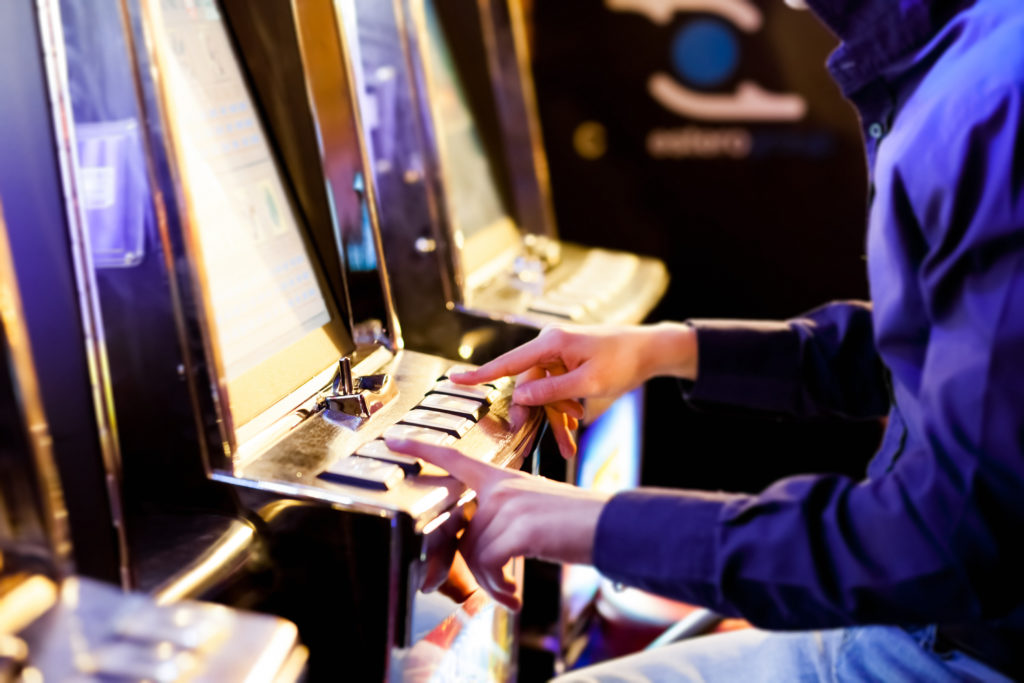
[[932, 534]]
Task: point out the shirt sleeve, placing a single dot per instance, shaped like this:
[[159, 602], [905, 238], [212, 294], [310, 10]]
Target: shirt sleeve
[[823, 363], [934, 538]]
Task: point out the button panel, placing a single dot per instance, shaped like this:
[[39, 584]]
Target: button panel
[[602, 276], [481, 392], [445, 414]]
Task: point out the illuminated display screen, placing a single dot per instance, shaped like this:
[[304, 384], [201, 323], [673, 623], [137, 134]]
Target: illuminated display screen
[[271, 320], [609, 459], [474, 198], [609, 450]]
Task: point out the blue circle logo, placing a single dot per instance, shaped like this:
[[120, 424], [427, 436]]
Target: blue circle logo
[[705, 53]]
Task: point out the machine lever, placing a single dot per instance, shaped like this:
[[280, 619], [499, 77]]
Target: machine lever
[[361, 396]]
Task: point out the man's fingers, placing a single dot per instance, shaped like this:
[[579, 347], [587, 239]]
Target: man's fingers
[[563, 433], [490, 580], [489, 574], [552, 389], [470, 471], [498, 586], [536, 352], [570, 407]]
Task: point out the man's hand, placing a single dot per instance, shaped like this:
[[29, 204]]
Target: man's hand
[[563, 416], [517, 515], [567, 363]]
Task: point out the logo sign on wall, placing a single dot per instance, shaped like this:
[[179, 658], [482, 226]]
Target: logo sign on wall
[[705, 85]]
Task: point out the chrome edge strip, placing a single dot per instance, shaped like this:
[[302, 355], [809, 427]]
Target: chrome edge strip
[[52, 37]]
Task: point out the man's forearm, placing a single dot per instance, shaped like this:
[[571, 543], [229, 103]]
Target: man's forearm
[[821, 363]]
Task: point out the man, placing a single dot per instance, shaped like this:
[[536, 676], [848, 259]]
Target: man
[[913, 573]]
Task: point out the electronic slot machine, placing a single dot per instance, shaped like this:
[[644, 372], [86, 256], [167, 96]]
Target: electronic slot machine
[[443, 132], [288, 394], [58, 626]]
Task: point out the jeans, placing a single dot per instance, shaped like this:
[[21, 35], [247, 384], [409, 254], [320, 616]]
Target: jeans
[[868, 653]]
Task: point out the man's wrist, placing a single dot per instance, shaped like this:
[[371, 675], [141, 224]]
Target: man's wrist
[[672, 351]]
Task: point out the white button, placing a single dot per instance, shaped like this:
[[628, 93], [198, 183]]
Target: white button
[[456, 425], [415, 433], [503, 384], [467, 407], [379, 450], [365, 472], [456, 369], [481, 392]]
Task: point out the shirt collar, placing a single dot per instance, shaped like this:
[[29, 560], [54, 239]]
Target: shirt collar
[[877, 33]]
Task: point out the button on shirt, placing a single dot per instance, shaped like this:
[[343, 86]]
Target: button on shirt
[[933, 534]]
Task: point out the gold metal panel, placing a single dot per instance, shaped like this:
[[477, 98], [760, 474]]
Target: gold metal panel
[[330, 85]]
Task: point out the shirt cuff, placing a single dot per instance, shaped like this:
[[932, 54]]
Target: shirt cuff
[[753, 364], [663, 541]]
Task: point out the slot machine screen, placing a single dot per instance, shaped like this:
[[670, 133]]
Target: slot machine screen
[[273, 322], [479, 217], [609, 460]]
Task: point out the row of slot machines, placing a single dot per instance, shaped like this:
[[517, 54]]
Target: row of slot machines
[[251, 240], [55, 626]]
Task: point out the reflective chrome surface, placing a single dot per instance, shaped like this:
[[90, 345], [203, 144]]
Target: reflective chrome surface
[[94, 632]]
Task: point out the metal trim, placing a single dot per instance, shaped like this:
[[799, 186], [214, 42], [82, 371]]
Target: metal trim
[[52, 38], [438, 211], [510, 62]]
